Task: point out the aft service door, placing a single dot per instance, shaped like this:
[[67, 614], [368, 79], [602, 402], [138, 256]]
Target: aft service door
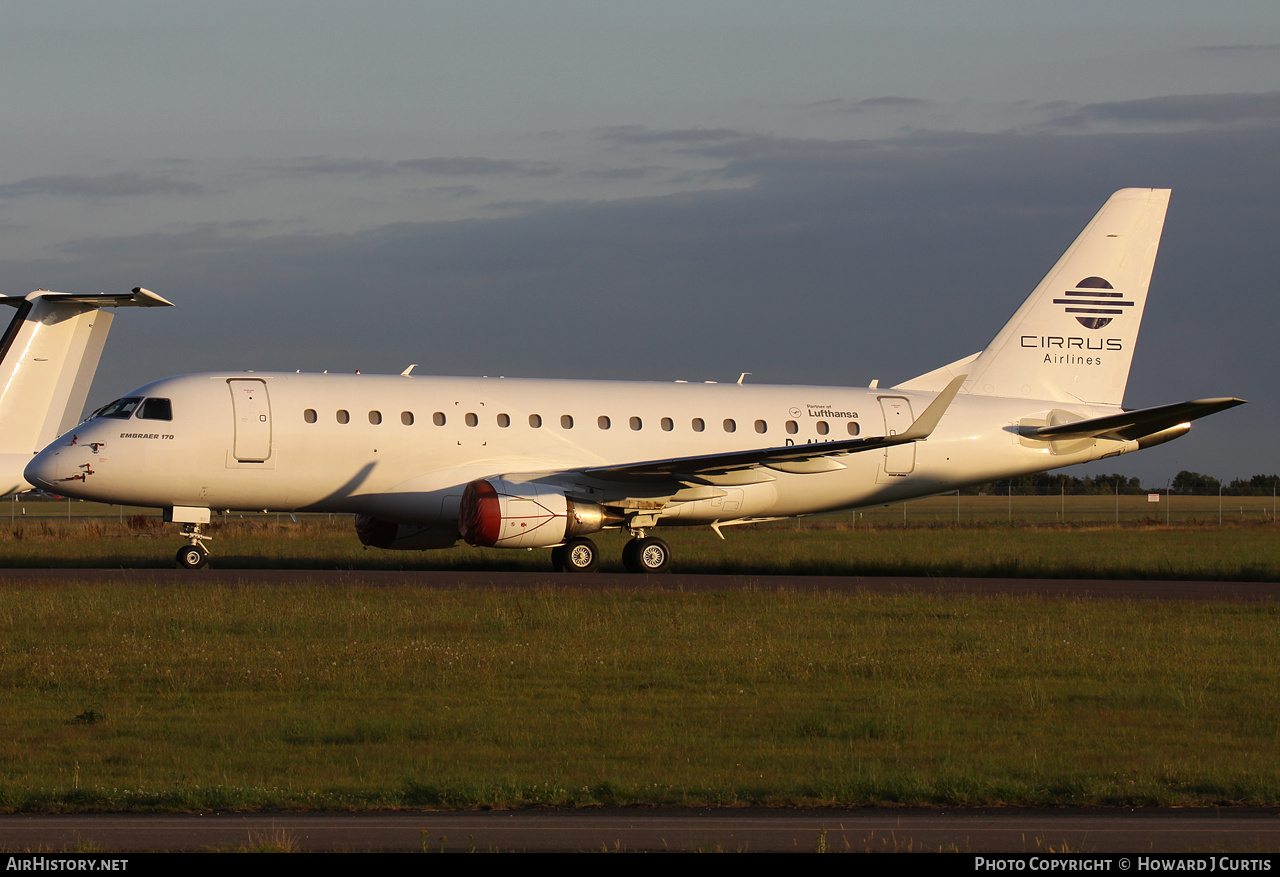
[[252, 411], [898, 459]]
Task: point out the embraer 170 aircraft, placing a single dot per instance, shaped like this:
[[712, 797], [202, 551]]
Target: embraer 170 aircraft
[[424, 461], [48, 356]]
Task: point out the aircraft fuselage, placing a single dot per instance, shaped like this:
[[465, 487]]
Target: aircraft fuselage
[[404, 447]]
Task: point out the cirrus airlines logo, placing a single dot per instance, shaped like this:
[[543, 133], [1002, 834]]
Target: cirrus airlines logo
[[1093, 302]]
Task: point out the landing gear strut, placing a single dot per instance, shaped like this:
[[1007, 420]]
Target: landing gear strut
[[193, 555]]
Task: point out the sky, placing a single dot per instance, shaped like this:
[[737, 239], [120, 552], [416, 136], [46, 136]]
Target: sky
[[822, 193]]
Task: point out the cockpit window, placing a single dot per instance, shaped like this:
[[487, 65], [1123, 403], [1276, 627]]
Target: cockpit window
[[156, 409], [121, 408]]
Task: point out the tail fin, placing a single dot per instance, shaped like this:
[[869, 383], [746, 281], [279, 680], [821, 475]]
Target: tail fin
[[1073, 338], [48, 356]]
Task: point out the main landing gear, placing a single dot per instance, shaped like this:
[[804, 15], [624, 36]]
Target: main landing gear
[[647, 554], [643, 554], [193, 555], [576, 555]]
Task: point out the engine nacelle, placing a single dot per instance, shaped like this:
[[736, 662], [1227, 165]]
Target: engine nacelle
[[497, 513]]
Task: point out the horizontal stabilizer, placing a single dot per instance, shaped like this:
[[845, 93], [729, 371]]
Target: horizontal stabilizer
[[1133, 425], [682, 468], [138, 298]]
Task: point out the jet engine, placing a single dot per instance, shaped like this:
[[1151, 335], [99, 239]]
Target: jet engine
[[496, 513]]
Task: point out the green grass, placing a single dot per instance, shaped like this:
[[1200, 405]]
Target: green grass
[[189, 696], [1240, 551], [308, 697]]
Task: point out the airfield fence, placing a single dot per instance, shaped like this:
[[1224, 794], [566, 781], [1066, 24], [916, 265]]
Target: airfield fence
[[947, 510], [1062, 509]]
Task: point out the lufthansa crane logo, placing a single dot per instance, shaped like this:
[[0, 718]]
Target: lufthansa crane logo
[[1093, 302]]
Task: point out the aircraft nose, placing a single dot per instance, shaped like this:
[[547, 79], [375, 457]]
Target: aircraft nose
[[47, 469]]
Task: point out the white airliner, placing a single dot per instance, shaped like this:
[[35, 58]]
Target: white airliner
[[426, 461], [48, 356]]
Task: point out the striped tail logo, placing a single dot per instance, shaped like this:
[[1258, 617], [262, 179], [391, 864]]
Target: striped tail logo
[[1093, 302]]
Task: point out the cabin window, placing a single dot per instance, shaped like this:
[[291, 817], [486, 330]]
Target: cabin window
[[730, 425], [603, 422], [156, 409], [636, 423], [822, 427], [406, 417], [438, 418], [566, 421], [853, 427], [121, 408], [343, 416], [471, 419], [309, 415], [535, 420], [699, 424], [668, 424], [762, 427], [504, 420], [792, 427], [375, 417]]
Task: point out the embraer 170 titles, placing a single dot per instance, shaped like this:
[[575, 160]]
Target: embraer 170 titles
[[425, 461]]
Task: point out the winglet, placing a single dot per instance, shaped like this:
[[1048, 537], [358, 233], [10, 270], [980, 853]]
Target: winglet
[[927, 422], [147, 299]]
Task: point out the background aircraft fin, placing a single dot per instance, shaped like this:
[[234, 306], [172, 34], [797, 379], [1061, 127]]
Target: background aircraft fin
[[48, 355]]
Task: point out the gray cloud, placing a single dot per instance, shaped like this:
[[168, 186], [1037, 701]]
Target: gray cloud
[[323, 164], [1213, 109], [638, 134], [839, 262], [477, 166], [1244, 49], [449, 191], [890, 102], [116, 185], [443, 165], [626, 173]]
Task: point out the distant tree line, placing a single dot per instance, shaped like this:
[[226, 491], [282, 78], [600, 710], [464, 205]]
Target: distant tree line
[[1185, 483], [1044, 483], [1196, 484], [1258, 485]]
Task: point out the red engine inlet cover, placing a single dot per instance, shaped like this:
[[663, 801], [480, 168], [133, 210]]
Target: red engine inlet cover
[[480, 514]]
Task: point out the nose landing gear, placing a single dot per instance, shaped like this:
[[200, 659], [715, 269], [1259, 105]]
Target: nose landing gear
[[193, 555]]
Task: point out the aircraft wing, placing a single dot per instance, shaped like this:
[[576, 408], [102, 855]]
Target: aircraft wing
[[792, 458], [1133, 425]]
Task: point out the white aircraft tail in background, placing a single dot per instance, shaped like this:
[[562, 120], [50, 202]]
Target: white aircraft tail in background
[[48, 356], [425, 461]]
